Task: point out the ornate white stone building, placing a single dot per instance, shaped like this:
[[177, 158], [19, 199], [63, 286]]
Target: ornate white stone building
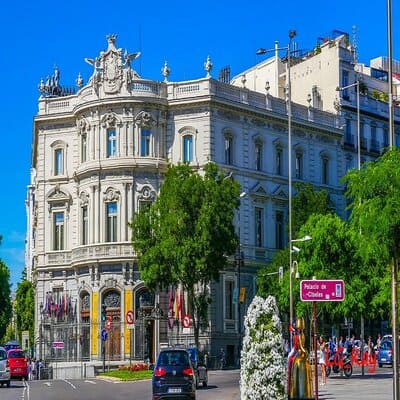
[[99, 155]]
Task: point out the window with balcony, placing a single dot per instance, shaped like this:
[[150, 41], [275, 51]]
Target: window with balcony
[[259, 156], [111, 143], [188, 148], [299, 165], [228, 150], [229, 299], [83, 148], [324, 170], [58, 230], [278, 160], [345, 82], [259, 226], [145, 137], [279, 230], [111, 221], [58, 161], [84, 225]]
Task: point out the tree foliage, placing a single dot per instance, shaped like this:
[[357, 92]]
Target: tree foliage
[[5, 301], [25, 309], [186, 235], [307, 202]]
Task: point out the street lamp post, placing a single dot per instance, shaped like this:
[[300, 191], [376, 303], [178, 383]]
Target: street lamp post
[[291, 270], [292, 34]]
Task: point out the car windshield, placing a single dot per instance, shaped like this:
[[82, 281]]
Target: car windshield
[[16, 354], [3, 355], [174, 358], [386, 345]]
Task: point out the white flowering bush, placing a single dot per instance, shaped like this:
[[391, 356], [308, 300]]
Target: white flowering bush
[[263, 364]]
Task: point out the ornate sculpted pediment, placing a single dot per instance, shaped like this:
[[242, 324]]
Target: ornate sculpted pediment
[[147, 193], [111, 194], [112, 68], [110, 120], [145, 119]]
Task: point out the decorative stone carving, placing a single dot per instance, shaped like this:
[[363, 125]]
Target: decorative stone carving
[[84, 198], [145, 119], [147, 193], [110, 120], [83, 125], [111, 194]]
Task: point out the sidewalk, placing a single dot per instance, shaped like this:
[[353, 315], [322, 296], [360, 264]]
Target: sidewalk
[[376, 386]]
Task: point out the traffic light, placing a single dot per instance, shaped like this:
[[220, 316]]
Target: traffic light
[[103, 312]]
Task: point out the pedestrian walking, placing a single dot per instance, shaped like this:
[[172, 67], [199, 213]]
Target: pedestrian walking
[[322, 359]]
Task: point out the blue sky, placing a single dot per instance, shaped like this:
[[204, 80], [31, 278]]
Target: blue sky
[[38, 35]]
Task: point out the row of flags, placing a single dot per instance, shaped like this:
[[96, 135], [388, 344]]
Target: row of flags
[[177, 304], [59, 305]]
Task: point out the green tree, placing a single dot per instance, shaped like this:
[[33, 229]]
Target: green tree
[[306, 203], [186, 235], [375, 195], [25, 309], [5, 301]]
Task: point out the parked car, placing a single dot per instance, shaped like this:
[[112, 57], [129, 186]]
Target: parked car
[[5, 373], [385, 353], [173, 375], [18, 364], [199, 366]]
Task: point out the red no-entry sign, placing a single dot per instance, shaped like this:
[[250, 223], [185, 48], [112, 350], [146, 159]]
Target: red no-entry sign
[[322, 290]]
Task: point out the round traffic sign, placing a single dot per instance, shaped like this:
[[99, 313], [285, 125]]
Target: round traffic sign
[[130, 317], [104, 335], [186, 321]]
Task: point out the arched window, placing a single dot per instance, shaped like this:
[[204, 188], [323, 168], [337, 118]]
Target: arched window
[[145, 137]]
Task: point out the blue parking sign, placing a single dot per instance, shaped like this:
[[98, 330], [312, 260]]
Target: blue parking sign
[[104, 335]]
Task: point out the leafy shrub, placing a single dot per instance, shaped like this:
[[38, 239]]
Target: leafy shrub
[[263, 365]]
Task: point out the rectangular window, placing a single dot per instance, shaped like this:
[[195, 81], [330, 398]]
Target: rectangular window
[[258, 155], [259, 226], [299, 166], [85, 226], [58, 162], [228, 150], [325, 171], [111, 228], [83, 148], [278, 161], [58, 231], [279, 231], [111, 143], [145, 143], [229, 301], [188, 148]]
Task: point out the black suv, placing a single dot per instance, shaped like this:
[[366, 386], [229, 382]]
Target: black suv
[[173, 376]]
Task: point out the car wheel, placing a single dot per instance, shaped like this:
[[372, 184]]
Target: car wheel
[[204, 384], [8, 384], [380, 365]]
